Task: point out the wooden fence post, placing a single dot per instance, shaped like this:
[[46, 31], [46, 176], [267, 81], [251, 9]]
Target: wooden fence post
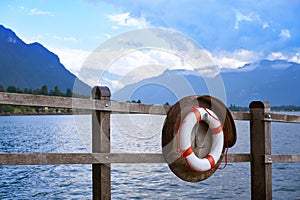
[[101, 144], [260, 148]]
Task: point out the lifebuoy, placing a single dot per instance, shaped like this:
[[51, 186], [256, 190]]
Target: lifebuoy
[[186, 126]]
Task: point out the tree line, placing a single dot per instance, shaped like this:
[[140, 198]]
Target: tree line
[[291, 108], [39, 91], [44, 90]]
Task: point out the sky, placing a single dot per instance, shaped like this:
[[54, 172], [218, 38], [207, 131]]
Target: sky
[[232, 32]]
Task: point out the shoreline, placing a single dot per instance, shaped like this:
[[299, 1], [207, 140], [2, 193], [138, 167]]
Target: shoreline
[[38, 114]]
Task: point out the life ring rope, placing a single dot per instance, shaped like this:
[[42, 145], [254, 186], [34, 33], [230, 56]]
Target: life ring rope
[[185, 127]]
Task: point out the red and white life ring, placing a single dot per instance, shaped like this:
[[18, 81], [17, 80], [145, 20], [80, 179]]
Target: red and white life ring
[[196, 115]]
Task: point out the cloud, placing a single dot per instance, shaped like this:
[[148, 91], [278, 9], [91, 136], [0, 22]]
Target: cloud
[[143, 53], [235, 59], [251, 17], [285, 34], [107, 35], [290, 56], [265, 25], [296, 58], [72, 39], [72, 59], [125, 19], [35, 11], [276, 56], [230, 25]]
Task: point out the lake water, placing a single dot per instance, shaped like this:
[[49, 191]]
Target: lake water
[[134, 133]]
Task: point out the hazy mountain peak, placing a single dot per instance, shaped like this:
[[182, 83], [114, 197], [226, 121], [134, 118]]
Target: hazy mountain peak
[[8, 36], [274, 81], [32, 65]]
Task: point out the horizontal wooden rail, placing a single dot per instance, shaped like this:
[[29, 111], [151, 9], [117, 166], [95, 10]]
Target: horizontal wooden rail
[[241, 116], [108, 158], [274, 117], [115, 107], [282, 158], [93, 158], [79, 103]]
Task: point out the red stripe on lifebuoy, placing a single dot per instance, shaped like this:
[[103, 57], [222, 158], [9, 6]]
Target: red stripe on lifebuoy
[[217, 130], [211, 160], [197, 113], [187, 152]]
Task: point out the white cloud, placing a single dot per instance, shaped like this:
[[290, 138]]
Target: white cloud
[[238, 58], [276, 56], [125, 19], [36, 11], [239, 17], [296, 58], [115, 27], [265, 25], [291, 57], [72, 39], [107, 35], [72, 59], [155, 57], [285, 34]]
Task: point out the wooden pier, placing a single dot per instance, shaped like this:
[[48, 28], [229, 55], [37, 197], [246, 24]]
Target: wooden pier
[[260, 156]]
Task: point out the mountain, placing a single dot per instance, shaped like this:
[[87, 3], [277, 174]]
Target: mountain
[[32, 65], [274, 81]]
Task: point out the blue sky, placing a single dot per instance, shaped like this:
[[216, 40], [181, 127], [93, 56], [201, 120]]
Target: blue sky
[[233, 32]]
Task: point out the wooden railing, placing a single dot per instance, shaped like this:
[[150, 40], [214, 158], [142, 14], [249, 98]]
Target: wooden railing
[[101, 106]]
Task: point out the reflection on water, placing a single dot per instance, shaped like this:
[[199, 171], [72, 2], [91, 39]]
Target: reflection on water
[[135, 133]]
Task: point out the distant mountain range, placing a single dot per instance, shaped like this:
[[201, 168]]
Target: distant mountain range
[[274, 81], [32, 65]]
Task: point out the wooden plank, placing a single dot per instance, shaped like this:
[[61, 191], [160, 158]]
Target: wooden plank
[[233, 158], [78, 158], [116, 107], [130, 158], [43, 101], [78, 103], [137, 108], [241, 116], [274, 117], [106, 158], [260, 144], [101, 144], [96, 158], [282, 158], [46, 158]]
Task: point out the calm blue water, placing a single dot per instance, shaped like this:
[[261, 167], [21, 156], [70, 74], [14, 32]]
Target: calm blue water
[[54, 134]]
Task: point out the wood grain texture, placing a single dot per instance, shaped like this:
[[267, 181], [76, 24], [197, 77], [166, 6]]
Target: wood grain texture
[[99, 158]]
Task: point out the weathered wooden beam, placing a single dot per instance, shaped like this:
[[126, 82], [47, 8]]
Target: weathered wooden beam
[[78, 103], [241, 115], [274, 117], [106, 158], [282, 158], [44, 101], [46, 158], [260, 144], [101, 144], [78, 158], [137, 108], [233, 158], [116, 107], [96, 158]]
